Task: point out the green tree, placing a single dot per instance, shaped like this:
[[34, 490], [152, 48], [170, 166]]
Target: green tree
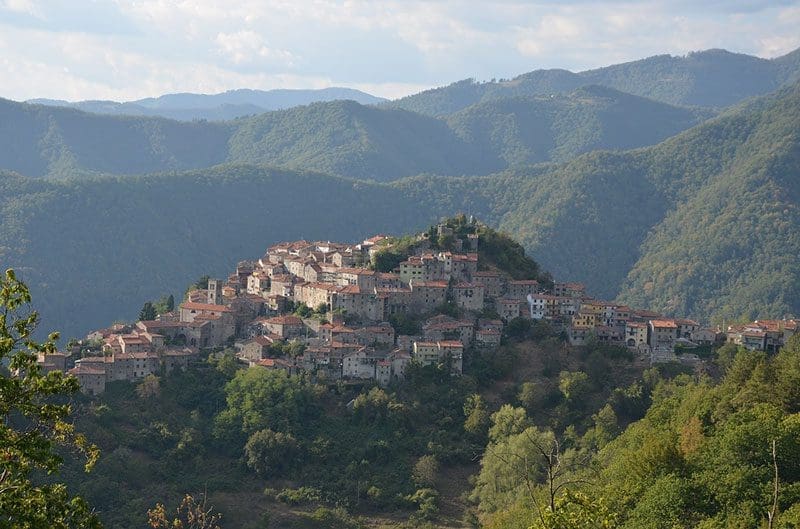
[[425, 471], [148, 312], [529, 396], [576, 510], [573, 384], [271, 454], [34, 423], [477, 414], [259, 398], [303, 310], [149, 387]]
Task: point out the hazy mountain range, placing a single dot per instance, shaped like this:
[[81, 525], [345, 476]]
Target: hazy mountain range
[[214, 107]]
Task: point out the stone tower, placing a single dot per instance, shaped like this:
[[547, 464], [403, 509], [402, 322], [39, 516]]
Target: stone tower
[[215, 291]]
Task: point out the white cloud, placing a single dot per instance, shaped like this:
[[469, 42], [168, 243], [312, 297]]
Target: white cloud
[[22, 6], [389, 47], [247, 46]]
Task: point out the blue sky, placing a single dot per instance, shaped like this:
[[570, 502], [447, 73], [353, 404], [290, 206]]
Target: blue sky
[[129, 49]]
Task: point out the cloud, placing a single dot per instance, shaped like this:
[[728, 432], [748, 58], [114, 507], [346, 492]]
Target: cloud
[[248, 47], [127, 49]]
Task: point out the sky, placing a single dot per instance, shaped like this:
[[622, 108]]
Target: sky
[[129, 49]]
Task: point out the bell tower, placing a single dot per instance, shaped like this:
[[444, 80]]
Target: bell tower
[[215, 292]]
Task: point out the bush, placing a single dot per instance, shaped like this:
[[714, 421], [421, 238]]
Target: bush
[[298, 496]]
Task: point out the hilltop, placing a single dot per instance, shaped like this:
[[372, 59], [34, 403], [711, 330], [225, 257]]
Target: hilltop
[[711, 78]]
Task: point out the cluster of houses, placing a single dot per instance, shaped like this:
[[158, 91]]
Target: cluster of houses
[[126, 353], [762, 335], [343, 331]]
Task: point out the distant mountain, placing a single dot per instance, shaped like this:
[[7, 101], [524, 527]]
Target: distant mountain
[[340, 137], [711, 78], [59, 142], [216, 107], [519, 131], [704, 224], [348, 139]]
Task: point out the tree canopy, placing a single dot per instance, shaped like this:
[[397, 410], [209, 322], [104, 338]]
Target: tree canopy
[[34, 424]]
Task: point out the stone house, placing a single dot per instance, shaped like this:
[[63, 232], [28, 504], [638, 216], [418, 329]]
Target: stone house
[[381, 335], [427, 353], [444, 327], [91, 377], [509, 308], [575, 290], [635, 335], [427, 295], [661, 335], [286, 327], [359, 364], [48, 362], [520, 289], [468, 296], [493, 282], [487, 338], [254, 349]]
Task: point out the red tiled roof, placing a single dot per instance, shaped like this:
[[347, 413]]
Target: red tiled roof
[[190, 305], [357, 271], [82, 369], [664, 324], [430, 284], [285, 320]]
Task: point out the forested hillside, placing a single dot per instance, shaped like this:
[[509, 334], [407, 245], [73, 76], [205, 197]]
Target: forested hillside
[[702, 225], [340, 137], [105, 244], [348, 139], [712, 78], [705, 222], [59, 142], [705, 455], [518, 131]]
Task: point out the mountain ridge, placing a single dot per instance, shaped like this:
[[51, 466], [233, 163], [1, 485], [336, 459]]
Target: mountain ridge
[[710, 78], [231, 104], [339, 137]]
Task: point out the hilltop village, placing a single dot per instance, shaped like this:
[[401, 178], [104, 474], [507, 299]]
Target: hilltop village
[[327, 309]]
